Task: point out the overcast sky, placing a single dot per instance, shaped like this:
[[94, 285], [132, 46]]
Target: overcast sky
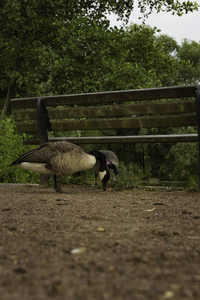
[[187, 26]]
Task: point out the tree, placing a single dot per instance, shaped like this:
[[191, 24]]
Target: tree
[[189, 54], [29, 29], [173, 6], [155, 55]]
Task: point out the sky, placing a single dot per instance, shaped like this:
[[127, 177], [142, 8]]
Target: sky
[[180, 28]]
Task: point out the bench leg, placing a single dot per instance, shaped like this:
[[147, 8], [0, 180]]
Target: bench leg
[[43, 126], [198, 128]]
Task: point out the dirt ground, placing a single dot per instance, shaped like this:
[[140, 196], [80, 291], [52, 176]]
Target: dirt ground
[[95, 245]]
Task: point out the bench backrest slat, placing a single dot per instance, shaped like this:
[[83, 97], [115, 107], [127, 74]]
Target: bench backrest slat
[[112, 110], [109, 97], [116, 123]]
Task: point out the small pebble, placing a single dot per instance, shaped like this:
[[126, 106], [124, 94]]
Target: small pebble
[[62, 199], [78, 250]]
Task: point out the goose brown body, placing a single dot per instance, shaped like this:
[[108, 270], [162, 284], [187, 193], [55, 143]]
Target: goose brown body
[[58, 158], [68, 159]]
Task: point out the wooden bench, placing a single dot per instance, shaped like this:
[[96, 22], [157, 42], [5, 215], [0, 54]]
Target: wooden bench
[[144, 108]]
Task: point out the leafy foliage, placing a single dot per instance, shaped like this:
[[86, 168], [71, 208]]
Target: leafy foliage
[[125, 179], [173, 6], [41, 40], [189, 54], [11, 147]]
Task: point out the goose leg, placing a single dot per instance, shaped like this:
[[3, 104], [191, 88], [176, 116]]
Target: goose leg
[[57, 186], [96, 180]]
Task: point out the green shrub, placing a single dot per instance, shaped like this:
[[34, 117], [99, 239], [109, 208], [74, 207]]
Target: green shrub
[[185, 157], [125, 178], [11, 147]]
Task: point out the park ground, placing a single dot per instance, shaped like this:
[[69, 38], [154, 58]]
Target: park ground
[[92, 245]]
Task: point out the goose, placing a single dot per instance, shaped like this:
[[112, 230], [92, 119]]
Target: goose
[[111, 160], [62, 158]]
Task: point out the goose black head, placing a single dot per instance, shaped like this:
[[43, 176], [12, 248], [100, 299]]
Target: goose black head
[[113, 166], [104, 173]]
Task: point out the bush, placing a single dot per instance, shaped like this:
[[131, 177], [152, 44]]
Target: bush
[[11, 147], [185, 156], [125, 178]]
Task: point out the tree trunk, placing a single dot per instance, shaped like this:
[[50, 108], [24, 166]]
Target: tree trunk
[[11, 93]]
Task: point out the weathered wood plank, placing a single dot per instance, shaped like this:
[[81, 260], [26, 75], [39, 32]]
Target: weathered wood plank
[[134, 122], [113, 110], [25, 115], [111, 123], [122, 139], [131, 139], [109, 97]]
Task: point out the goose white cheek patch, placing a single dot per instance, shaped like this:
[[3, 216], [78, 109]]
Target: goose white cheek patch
[[102, 174]]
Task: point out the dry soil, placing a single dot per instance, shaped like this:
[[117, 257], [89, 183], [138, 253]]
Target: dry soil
[[95, 245]]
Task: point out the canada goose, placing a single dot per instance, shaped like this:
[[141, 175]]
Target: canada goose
[[62, 158], [111, 160]]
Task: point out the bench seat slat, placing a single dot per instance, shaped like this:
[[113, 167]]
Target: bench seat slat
[[173, 138], [134, 139]]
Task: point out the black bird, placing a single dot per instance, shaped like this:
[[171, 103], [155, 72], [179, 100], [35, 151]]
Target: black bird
[[112, 162]]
